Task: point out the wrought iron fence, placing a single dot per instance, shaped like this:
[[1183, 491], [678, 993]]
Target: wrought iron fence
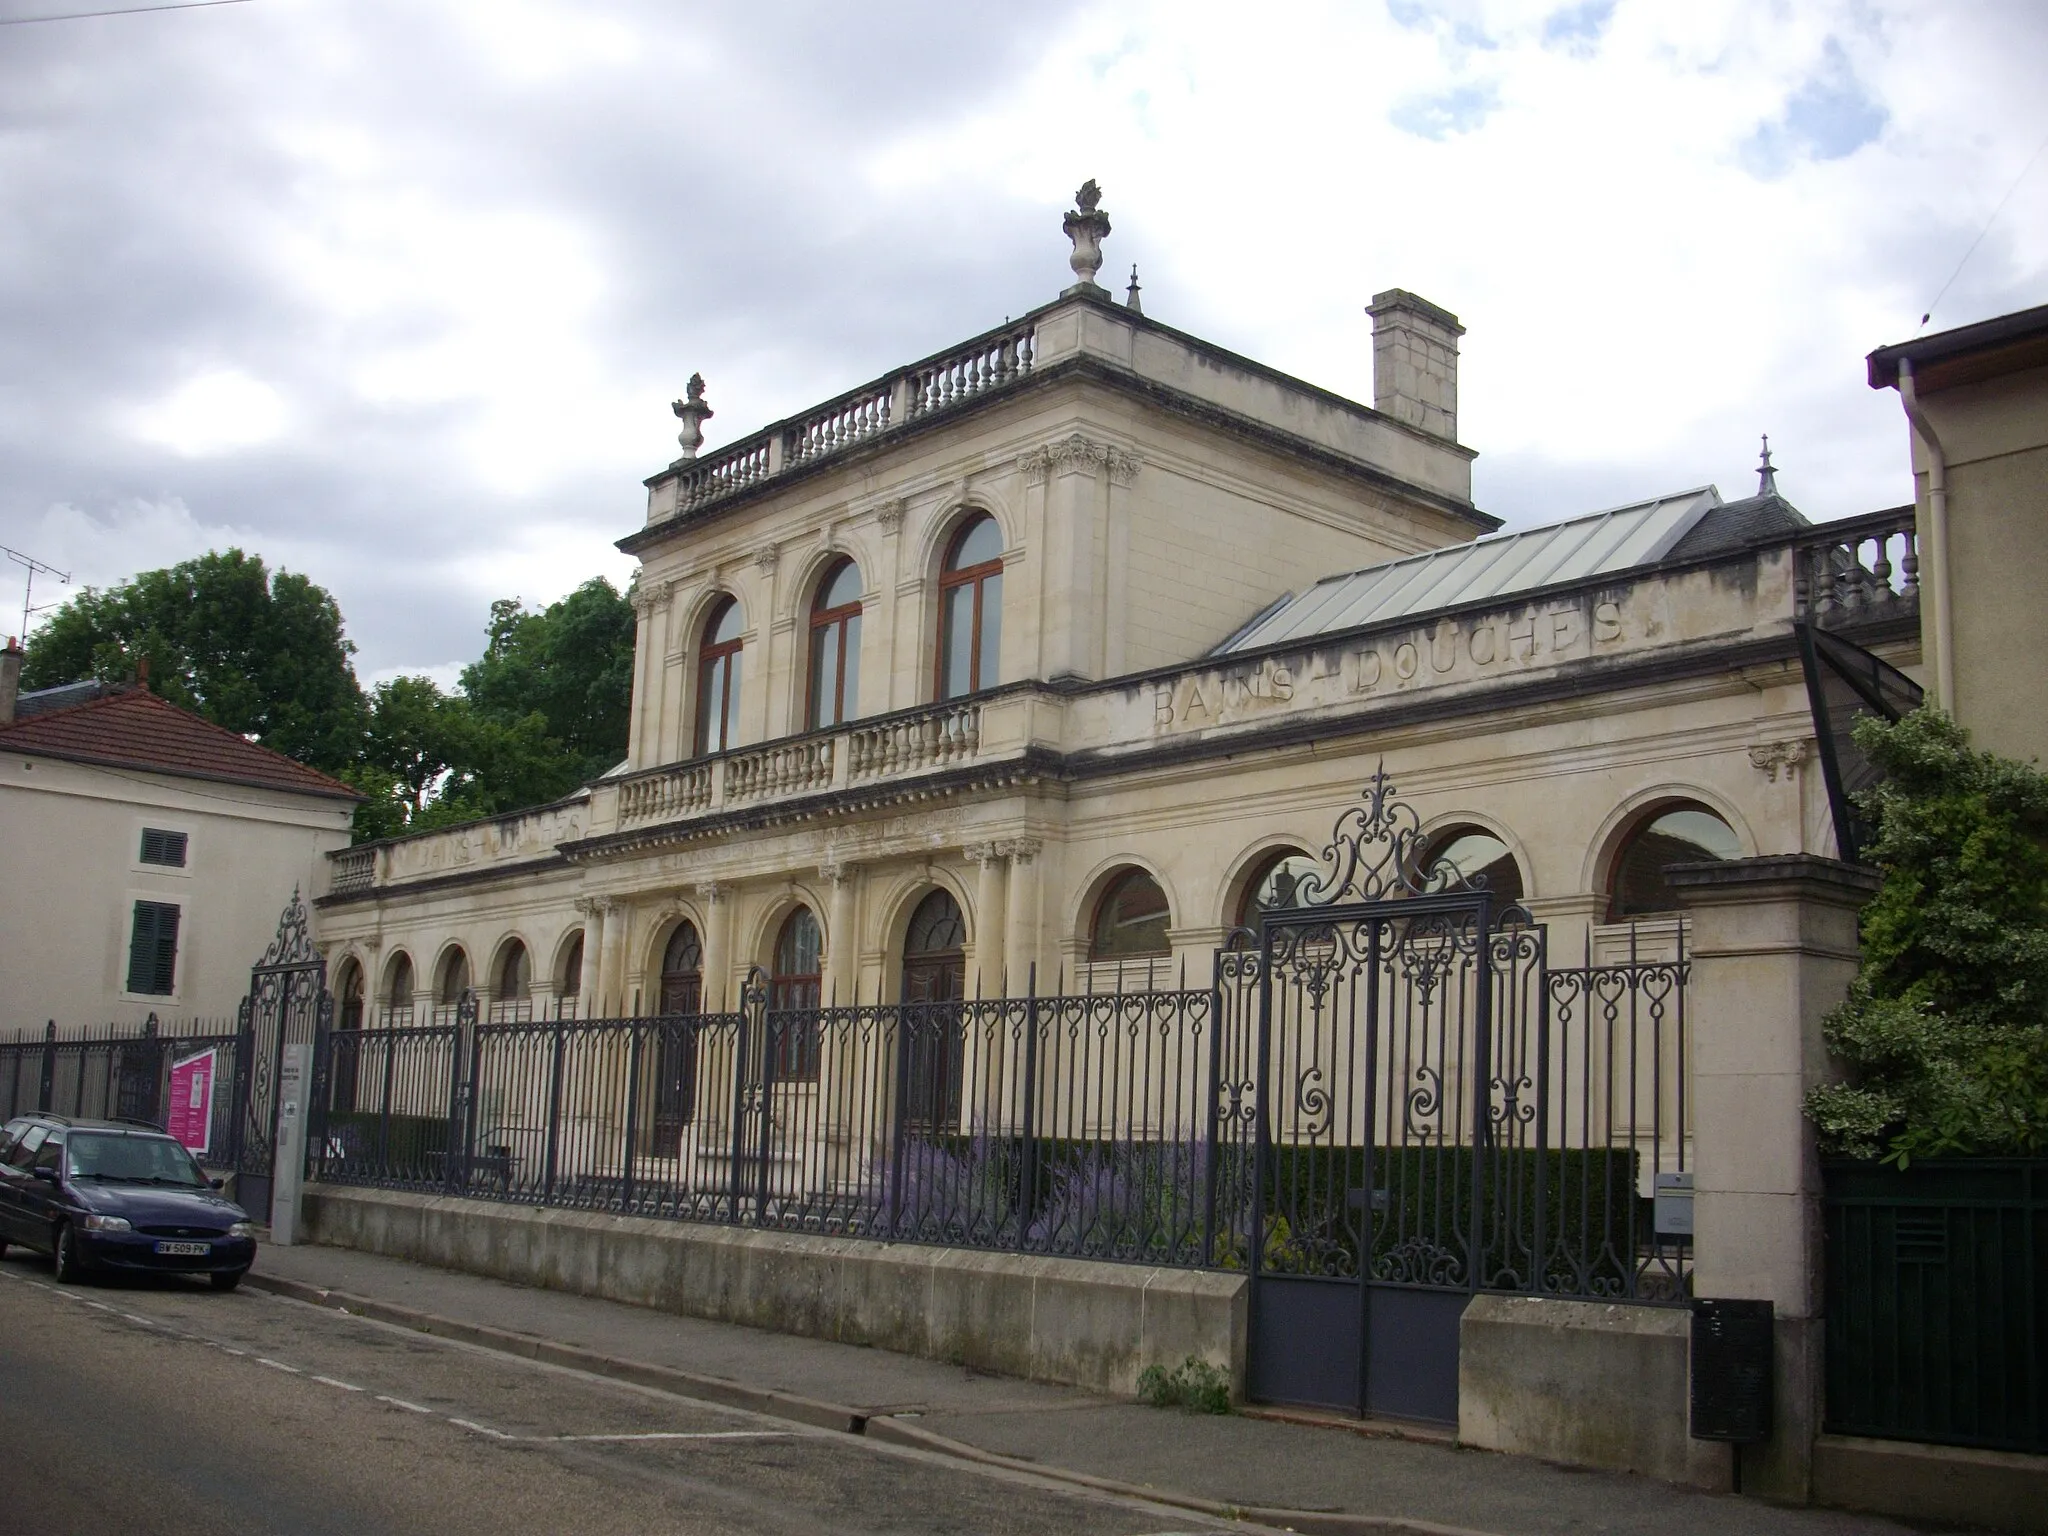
[[119, 1072], [1107, 1125]]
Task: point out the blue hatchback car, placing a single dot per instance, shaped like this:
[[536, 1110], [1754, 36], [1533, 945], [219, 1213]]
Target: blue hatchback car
[[111, 1195]]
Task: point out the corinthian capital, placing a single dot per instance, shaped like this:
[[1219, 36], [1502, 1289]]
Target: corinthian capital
[[1075, 454]]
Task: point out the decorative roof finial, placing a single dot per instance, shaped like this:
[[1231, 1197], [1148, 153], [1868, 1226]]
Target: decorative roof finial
[[1766, 473], [693, 413], [1131, 293], [1086, 225]]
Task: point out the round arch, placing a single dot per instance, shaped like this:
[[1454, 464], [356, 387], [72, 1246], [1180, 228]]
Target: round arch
[[935, 536], [767, 927], [567, 967], [1622, 820], [898, 904], [400, 981], [795, 604], [351, 990], [1435, 829], [452, 974], [500, 957], [1251, 864], [1080, 914]]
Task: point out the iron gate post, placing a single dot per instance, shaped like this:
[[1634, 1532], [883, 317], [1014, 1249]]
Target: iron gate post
[[323, 1071], [1482, 1102], [245, 1054], [1027, 1172], [635, 1060], [1212, 1109], [1368, 1233], [554, 1131], [49, 1084], [770, 1040]]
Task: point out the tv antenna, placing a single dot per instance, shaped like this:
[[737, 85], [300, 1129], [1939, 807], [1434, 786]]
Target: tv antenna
[[35, 568]]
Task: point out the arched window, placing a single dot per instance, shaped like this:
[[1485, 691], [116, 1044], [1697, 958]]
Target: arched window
[[1471, 856], [682, 972], [718, 680], [1130, 919], [1685, 833], [571, 982], [399, 985], [350, 991], [971, 609], [1274, 885], [835, 647], [934, 976], [793, 987], [935, 951], [453, 978], [515, 974]]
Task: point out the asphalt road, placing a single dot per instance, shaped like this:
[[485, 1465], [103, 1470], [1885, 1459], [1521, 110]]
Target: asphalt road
[[157, 1406]]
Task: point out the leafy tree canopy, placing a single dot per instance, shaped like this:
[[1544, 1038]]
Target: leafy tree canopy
[[1945, 1031], [261, 654], [572, 664]]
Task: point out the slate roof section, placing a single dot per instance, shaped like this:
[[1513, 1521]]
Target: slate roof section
[[1690, 523], [132, 728], [43, 700]]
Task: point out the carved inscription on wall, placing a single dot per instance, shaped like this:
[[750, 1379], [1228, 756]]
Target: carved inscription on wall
[[1452, 651]]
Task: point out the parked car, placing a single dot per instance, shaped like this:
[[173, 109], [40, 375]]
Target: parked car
[[114, 1195]]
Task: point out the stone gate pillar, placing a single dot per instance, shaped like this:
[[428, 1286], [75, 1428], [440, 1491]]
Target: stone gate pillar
[[1774, 947]]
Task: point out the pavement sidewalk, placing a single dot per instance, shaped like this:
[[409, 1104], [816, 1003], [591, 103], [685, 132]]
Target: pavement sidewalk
[[1300, 1476]]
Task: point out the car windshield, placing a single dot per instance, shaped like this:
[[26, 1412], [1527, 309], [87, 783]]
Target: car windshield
[[135, 1159]]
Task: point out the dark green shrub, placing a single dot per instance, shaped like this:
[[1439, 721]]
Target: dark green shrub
[[1194, 1386]]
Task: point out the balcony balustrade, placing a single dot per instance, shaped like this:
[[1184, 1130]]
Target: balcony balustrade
[[987, 363], [354, 870], [1859, 569], [860, 753]]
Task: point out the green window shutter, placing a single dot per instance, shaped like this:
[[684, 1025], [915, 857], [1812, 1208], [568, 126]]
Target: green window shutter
[[153, 949], [160, 847]]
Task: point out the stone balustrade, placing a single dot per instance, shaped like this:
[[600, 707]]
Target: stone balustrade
[[933, 739], [989, 362], [771, 772], [1859, 568], [665, 794], [354, 869]]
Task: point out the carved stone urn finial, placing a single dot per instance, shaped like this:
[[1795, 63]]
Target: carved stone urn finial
[[693, 413], [1086, 225]]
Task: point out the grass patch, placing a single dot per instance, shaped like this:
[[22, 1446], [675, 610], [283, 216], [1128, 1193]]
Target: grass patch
[[1194, 1386]]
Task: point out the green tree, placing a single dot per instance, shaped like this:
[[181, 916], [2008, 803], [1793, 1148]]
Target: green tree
[[430, 759], [1945, 1031], [263, 655], [571, 664]]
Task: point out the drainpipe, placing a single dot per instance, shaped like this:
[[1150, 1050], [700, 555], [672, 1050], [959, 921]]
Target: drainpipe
[[1937, 540]]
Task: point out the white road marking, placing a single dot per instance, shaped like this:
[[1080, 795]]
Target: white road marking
[[482, 1429], [278, 1365], [677, 1434], [329, 1381], [399, 1402]]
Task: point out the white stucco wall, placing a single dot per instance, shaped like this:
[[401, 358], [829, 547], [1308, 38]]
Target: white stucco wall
[[71, 873]]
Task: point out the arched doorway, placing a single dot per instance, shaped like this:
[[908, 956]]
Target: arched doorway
[[794, 990], [934, 981], [344, 1054], [675, 1065]]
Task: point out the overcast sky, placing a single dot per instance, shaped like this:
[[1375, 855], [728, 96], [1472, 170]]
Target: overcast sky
[[396, 292]]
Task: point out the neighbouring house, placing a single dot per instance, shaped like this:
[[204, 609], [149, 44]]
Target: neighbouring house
[[147, 853], [1977, 401]]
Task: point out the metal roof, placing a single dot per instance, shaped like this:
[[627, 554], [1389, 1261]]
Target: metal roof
[[1616, 540]]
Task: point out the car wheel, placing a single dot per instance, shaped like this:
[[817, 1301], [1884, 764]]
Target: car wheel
[[65, 1253], [3, 1247], [227, 1279]]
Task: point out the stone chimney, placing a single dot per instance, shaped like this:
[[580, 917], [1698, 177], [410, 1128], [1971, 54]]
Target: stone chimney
[[1415, 362], [10, 679]]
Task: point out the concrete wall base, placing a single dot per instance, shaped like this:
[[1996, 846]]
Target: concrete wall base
[[1584, 1383], [1072, 1321], [1946, 1483]]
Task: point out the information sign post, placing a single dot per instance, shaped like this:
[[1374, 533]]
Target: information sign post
[[289, 1165]]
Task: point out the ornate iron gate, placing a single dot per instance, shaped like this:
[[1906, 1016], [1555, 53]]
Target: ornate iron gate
[[1398, 1046], [288, 1003]]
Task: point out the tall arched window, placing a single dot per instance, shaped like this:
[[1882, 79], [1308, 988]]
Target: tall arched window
[[794, 988], [570, 983], [1130, 919], [453, 978], [350, 991], [934, 977], [1472, 856], [971, 609], [718, 680], [1684, 833], [399, 985], [1274, 886], [835, 647], [682, 972], [515, 974]]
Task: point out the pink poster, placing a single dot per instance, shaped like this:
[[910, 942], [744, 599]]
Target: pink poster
[[191, 1117]]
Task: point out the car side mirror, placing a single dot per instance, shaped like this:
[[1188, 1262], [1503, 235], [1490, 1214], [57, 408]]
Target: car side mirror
[[47, 1175], [216, 1183]]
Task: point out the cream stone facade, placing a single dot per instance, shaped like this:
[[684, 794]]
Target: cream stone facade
[[1158, 501]]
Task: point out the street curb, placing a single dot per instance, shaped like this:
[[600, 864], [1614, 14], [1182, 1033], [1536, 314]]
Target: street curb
[[819, 1414]]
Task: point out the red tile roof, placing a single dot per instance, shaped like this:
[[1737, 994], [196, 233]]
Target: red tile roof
[[133, 728]]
